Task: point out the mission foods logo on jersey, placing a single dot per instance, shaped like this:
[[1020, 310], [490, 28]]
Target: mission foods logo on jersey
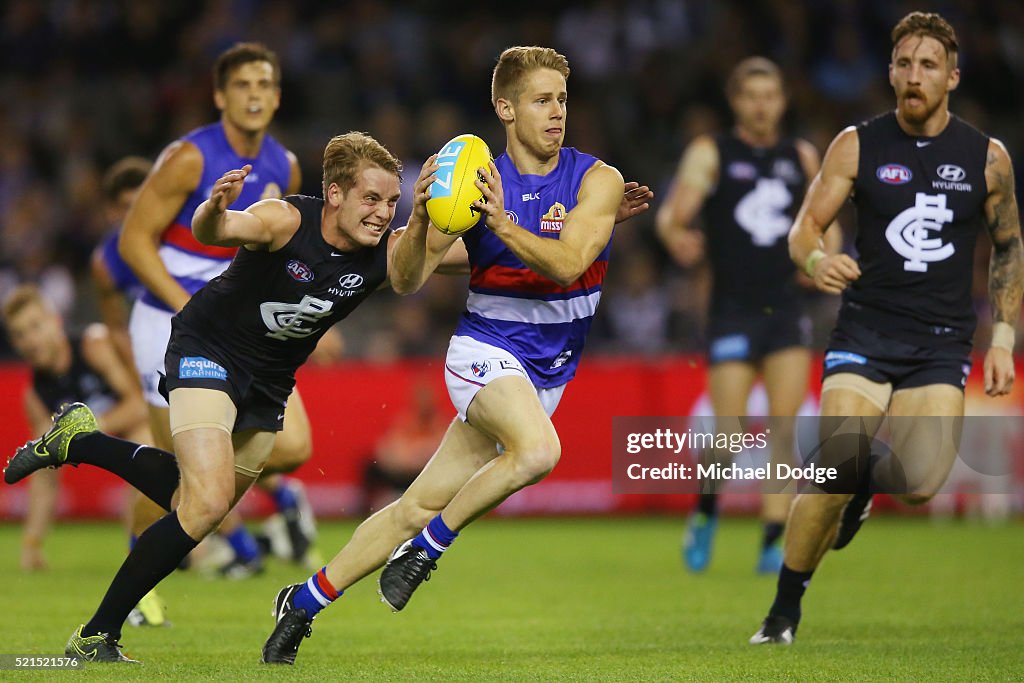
[[894, 174], [552, 221]]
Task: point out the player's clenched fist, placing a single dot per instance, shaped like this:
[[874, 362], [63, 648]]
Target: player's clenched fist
[[832, 274]]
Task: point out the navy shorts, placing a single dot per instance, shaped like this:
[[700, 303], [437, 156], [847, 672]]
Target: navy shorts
[[862, 351], [750, 336], [188, 363]]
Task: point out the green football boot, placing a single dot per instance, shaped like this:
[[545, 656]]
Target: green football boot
[[51, 449]]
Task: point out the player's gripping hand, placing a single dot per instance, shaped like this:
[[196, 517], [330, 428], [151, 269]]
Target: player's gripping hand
[[492, 205], [635, 200], [228, 187], [421, 190], [999, 371], [834, 273]]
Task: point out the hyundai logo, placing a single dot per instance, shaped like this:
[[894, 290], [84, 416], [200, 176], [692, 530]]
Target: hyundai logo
[[350, 281], [951, 172]]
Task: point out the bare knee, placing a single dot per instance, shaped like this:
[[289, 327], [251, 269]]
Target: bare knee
[[202, 512], [411, 515], [534, 461]]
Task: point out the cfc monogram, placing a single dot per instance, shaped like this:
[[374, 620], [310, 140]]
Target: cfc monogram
[[289, 321], [908, 232], [761, 211]]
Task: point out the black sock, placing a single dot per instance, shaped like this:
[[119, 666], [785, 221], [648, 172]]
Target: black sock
[[150, 470], [708, 504], [772, 533], [156, 554], [790, 590]]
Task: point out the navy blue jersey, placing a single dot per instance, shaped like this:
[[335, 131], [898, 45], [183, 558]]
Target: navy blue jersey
[[81, 383], [268, 310], [920, 202], [747, 218]]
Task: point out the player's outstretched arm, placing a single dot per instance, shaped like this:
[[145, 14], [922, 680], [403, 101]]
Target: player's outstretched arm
[[697, 174], [262, 225], [1006, 268], [176, 174], [455, 261], [586, 231], [825, 196]]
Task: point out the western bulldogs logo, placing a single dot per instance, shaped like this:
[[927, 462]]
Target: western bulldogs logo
[[552, 221], [480, 368], [299, 271], [894, 174]]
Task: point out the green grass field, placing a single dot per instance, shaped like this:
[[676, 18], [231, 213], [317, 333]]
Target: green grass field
[[583, 600]]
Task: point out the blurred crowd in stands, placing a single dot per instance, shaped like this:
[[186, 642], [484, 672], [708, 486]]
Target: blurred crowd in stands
[[86, 82]]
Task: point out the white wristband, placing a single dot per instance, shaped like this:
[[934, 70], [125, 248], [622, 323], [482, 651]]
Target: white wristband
[[1003, 336]]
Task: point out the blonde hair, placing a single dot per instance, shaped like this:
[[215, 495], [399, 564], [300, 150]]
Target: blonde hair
[[21, 298], [345, 153], [751, 66], [516, 62], [931, 25]]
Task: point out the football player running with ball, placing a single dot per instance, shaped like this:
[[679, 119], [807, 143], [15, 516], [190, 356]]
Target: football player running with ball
[[538, 262], [922, 179]]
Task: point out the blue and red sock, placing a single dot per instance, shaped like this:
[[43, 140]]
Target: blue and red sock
[[435, 537], [316, 594]]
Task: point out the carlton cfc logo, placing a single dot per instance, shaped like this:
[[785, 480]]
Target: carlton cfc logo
[[894, 174], [299, 271]]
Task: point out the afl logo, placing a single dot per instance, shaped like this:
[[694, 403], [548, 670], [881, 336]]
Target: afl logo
[[894, 174], [480, 368], [299, 271], [512, 216], [350, 281], [951, 172]]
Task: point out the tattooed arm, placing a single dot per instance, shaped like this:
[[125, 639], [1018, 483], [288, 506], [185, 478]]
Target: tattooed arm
[[1006, 270]]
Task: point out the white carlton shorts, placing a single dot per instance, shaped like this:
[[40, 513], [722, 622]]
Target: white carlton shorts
[[471, 365], [150, 330]]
